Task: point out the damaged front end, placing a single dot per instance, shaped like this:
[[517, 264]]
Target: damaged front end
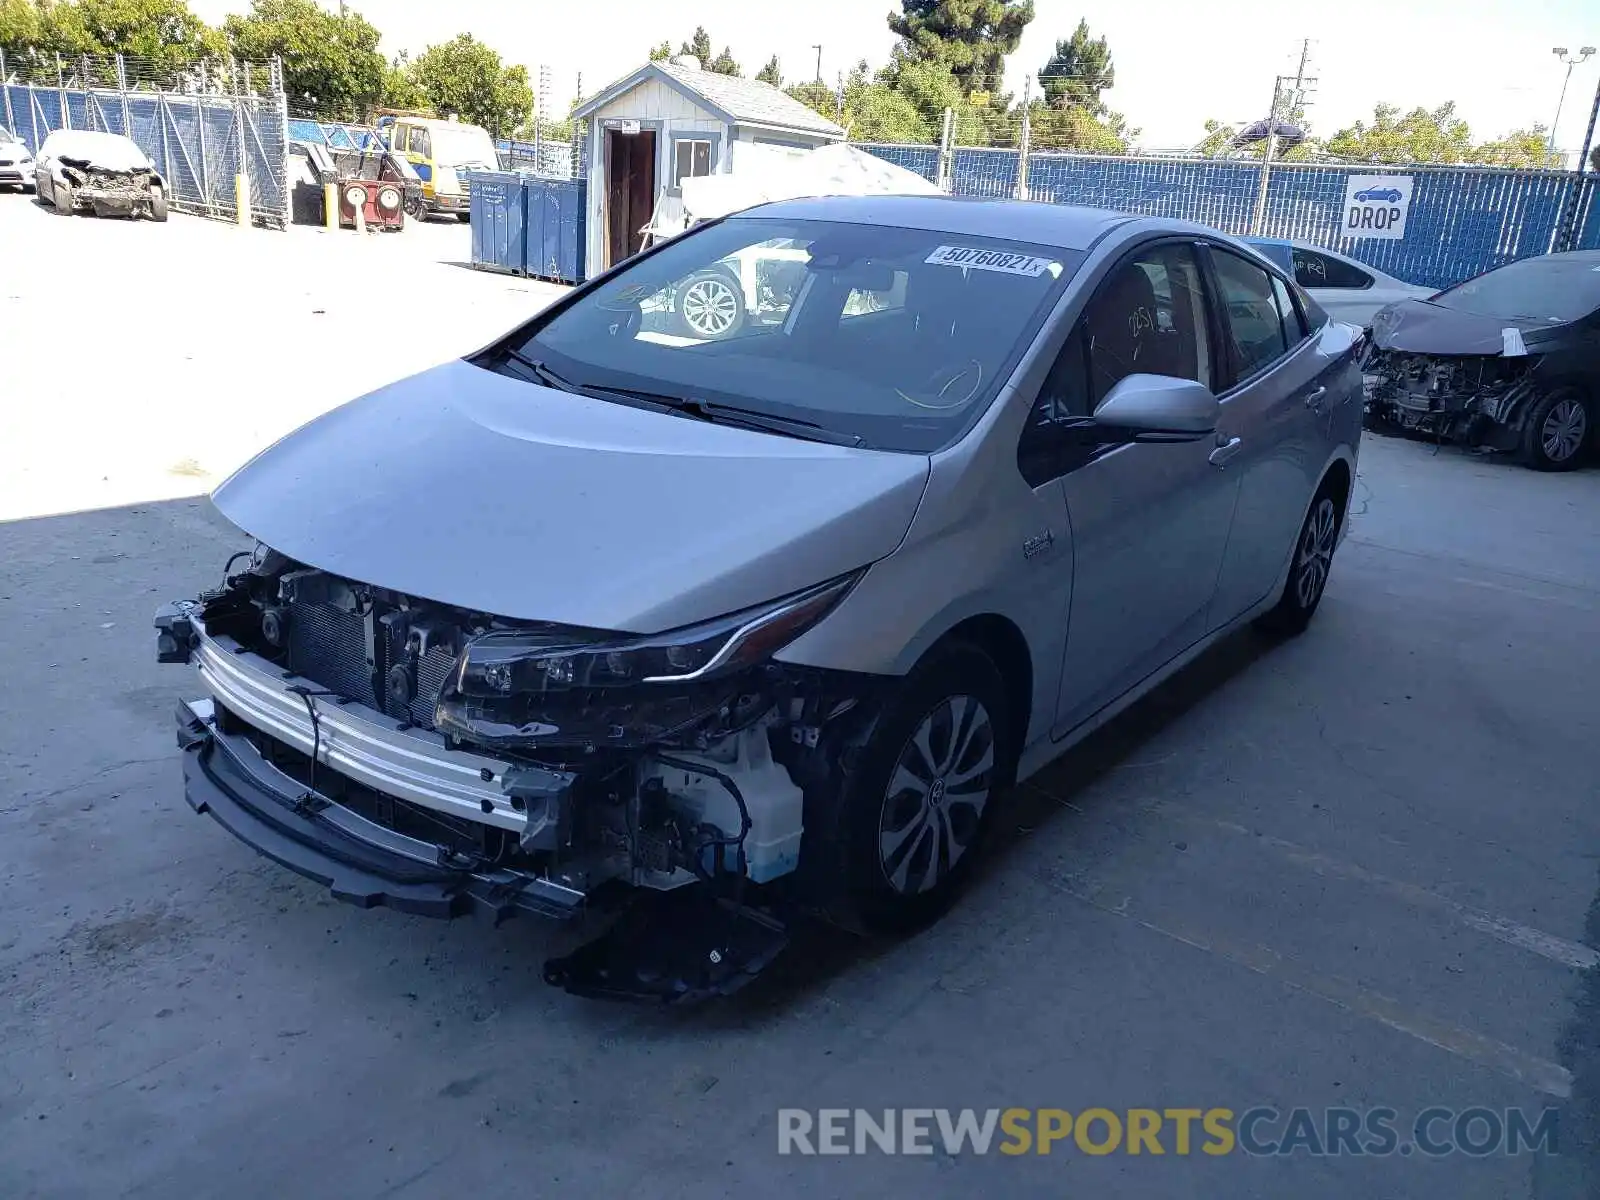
[[109, 192], [440, 761], [1477, 399]]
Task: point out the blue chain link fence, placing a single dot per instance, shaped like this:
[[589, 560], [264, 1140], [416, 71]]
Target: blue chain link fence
[[1462, 220], [200, 144]]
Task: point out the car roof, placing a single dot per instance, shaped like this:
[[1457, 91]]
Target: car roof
[[1063, 226]]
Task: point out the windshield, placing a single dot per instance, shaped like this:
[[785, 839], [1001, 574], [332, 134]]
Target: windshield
[[461, 145], [1555, 288], [897, 338]]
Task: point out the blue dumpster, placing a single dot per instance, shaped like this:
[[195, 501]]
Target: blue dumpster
[[499, 222], [556, 212]]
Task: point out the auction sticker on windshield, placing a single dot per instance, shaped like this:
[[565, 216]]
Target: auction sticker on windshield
[[1004, 261]]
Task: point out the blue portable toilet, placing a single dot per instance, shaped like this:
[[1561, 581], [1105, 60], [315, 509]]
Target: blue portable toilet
[[499, 222]]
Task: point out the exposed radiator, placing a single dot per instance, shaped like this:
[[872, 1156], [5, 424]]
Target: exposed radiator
[[331, 648]]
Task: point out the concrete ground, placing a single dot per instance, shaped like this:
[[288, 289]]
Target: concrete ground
[[1355, 870]]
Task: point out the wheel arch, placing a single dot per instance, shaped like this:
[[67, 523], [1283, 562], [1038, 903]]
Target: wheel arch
[[1003, 643]]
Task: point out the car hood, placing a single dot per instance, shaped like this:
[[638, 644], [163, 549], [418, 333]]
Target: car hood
[[470, 488], [1417, 327]]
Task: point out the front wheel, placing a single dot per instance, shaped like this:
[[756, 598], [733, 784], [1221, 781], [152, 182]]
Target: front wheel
[[61, 197], [920, 793], [1558, 431], [711, 306], [158, 204], [1308, 573]]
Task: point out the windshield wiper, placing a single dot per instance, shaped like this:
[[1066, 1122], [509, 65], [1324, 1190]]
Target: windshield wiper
[[730, 414], [541, 372], [688, 406]]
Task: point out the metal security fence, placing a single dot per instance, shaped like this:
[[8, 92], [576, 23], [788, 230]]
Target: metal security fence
[[1462, 220], [544, 158], [201, 142]]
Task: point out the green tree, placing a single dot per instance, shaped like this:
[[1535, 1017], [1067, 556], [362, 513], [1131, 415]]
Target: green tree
[[1078, 72], [1520, 148], [1419, 136], [465, 78], [699, 45], [661, 52], [969, 38], [873, 110], [161, 37], [1594, 159], [771, 73], [1078, 128], [400, 89], [21, 29], [723, 64], [331, 63]]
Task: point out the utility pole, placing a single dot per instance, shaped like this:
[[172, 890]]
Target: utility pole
[[1294, 90], [1025, 139], [818, 48], [1569, 61]]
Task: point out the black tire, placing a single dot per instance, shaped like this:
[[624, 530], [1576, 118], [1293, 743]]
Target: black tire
[[463, 217], [1308, 571], [158, 203], [61, 199], [896, 886], [710, 305], [1559, 431]]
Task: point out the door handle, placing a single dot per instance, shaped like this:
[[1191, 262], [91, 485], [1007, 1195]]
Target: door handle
[[1225, 450], [1314, 399]]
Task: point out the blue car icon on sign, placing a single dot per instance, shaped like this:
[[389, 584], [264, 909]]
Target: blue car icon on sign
[[1379, 195]]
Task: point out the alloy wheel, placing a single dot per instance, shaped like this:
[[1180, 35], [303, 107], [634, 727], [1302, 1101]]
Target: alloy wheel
[[1564, 428], [1315, 555], [710, 307], [936, 795]]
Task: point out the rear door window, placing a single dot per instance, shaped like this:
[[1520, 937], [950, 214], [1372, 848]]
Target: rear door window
[[1256, 329], [1313, 270]]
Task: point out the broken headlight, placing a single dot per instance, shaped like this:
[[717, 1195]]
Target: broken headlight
[[549, 685]]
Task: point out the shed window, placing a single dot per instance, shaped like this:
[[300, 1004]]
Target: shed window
[[692, 159]]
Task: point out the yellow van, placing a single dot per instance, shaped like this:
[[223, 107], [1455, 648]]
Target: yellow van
[[441, 153]]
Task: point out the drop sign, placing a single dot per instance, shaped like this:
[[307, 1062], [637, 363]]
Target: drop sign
[[1375, 206]]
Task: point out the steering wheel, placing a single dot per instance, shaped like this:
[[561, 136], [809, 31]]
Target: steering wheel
[[950, 385]]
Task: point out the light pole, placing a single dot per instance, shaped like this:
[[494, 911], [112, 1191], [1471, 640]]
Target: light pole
[[1569, 61]]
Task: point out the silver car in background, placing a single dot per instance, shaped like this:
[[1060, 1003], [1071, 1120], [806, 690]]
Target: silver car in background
[[763, 623]]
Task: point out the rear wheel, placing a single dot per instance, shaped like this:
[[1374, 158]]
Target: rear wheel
[[1308, 573], [920, 793], [710, 305], [1558, 431], [61, 197], [158, 203]]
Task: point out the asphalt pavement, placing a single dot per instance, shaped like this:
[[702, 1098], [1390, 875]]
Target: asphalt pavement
[[1356, 871]]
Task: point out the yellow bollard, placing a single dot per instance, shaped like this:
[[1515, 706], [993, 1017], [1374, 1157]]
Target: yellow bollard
[[241, 197], [330, 203]]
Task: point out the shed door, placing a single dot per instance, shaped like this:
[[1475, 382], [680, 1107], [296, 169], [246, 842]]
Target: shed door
[[630, 191]]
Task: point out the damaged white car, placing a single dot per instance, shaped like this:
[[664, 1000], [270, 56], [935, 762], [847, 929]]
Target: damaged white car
[[84, 170], [749, 626]]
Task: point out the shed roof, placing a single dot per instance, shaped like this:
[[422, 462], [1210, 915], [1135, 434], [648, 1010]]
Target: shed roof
[[737, 101]]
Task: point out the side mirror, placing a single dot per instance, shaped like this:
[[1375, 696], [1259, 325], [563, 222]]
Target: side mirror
[[1157, 408]]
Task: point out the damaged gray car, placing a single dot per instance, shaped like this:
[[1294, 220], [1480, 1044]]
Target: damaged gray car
[[1508, 360], [728, 632], [84, 170]]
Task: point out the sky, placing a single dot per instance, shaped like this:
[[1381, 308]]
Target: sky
[[1177, 62]]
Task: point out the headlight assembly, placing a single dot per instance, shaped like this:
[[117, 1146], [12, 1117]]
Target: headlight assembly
[[512, 662], [540, 685]]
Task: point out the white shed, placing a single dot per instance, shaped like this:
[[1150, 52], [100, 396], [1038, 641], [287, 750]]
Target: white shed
[[669, 121]]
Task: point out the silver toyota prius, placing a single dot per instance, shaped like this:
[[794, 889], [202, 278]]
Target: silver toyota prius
[[738, 585]]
